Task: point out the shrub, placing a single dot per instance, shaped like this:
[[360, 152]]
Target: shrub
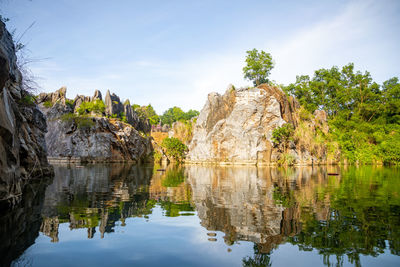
[[81, 122], [96, 106], [27, 100], [282, 135], [174, 148], [69, 102], [48, 104], [286, 160]]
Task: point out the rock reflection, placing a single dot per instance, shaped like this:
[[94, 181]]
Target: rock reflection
[[341, 217], [239, 201], [95, 196], [19, 225], [350, 215]]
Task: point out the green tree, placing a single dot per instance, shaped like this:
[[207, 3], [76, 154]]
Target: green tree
[[258, 66], [363, 117], [177, 114], [174, 148], [147, 112]]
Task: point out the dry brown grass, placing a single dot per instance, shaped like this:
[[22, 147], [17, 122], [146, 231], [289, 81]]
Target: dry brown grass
[[159, 136]]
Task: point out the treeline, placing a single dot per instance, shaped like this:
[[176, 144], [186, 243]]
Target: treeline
[[167, 118], [364, 116]]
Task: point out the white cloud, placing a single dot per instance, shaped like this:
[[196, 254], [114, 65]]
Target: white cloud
[[351, 36], [346, 38]]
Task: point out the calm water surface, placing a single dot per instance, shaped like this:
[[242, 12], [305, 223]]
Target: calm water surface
[[109, 215]]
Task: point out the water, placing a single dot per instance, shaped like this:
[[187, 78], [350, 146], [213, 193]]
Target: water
[[108, 215]]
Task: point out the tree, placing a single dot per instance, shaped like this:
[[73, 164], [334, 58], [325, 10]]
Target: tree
[[259, 66], [147, 112], [174, 148], [177, 114]]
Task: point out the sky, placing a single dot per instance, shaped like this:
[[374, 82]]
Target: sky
[[173, 53]]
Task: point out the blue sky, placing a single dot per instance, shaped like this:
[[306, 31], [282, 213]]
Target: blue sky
[[173, 53]]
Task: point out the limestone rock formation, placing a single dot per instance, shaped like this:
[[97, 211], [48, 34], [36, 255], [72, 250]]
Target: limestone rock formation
[[131, 116], [97, 140], [113, 104], [22, 128], [97, 95], [79, 99], [237, 127], [182, 130], [71, 137]]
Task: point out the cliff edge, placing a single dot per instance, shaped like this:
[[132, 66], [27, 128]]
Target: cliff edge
[[22, 128]]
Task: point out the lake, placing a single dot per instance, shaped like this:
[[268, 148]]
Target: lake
[[120, 215]]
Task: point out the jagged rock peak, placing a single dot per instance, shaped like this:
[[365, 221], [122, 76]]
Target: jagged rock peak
[[97, 95], [113, 104]]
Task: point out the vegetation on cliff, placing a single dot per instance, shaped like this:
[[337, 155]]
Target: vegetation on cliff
[[363, 116]]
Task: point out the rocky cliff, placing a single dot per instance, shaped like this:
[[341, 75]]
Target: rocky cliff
[[87, 130], [237, 128], [22, 128]]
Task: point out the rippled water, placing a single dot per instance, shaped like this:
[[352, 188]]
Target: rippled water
[[108, 215]]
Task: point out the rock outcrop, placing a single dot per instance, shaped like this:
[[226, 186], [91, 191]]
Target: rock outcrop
[[94, 137], [113, 104], [22, 128], [237, 127]]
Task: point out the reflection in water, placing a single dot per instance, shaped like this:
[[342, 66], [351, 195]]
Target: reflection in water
[[342, 218], [19, 225], [357, 213], [101, 195]]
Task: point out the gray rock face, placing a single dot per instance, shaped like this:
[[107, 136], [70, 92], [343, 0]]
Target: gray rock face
[[95, 139], [113, 104], [57, 96], [22, 128], [236, 127], [79, 99], [131, 116]]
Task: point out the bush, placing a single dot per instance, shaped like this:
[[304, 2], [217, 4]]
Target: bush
[[174, 148], [286, 160], [48, 104], [27, 100], [96, 106], [81, 122], [282, 135], [69, 102]]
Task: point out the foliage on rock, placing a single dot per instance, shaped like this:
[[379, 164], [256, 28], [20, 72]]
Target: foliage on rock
[[174, 148]]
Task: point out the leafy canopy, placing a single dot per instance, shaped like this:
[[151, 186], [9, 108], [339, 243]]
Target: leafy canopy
[[258, 66], [147, 112], [174, 148], [177, 114], [364, 117]]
